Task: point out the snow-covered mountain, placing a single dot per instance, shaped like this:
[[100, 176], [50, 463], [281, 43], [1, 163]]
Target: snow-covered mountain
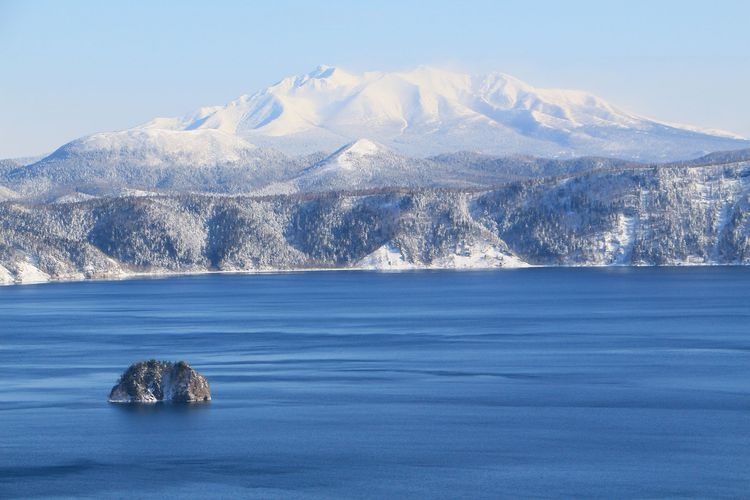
[[428, 111], [421, 128]]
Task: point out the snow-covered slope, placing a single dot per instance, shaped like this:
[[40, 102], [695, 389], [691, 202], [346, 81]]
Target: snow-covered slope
[[152, 159], [155, 147], [428, 111], [364, 164]]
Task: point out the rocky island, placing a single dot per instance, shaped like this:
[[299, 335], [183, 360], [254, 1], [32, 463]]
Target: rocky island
[[155, 381]]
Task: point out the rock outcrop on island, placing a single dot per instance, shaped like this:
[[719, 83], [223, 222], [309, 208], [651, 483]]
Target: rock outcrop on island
[[154, 381]]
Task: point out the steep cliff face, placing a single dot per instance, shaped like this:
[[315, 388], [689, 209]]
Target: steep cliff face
[[632, 216], [645, 216]]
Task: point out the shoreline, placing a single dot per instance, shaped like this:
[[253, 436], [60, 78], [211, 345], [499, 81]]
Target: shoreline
[[175, 274]]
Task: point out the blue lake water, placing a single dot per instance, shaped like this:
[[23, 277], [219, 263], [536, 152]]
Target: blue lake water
[[522, 383]]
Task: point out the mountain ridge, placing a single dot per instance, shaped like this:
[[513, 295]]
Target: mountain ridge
[[493, 113], [422, 112]]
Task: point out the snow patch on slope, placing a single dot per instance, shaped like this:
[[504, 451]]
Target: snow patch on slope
[[619, 243], [387, 257], [26, 273], [477, 255], [6, 278]]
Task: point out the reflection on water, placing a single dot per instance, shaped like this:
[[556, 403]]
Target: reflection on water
[[540, 382], [161, 408]]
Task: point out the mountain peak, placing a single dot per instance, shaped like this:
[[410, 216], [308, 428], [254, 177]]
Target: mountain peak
[[322, 71], [356, 154], [317, 79], [363, 147]]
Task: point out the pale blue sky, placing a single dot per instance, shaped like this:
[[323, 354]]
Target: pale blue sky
[[77, 67]]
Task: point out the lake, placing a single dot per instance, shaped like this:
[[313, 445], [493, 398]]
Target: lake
[[539, 382]]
